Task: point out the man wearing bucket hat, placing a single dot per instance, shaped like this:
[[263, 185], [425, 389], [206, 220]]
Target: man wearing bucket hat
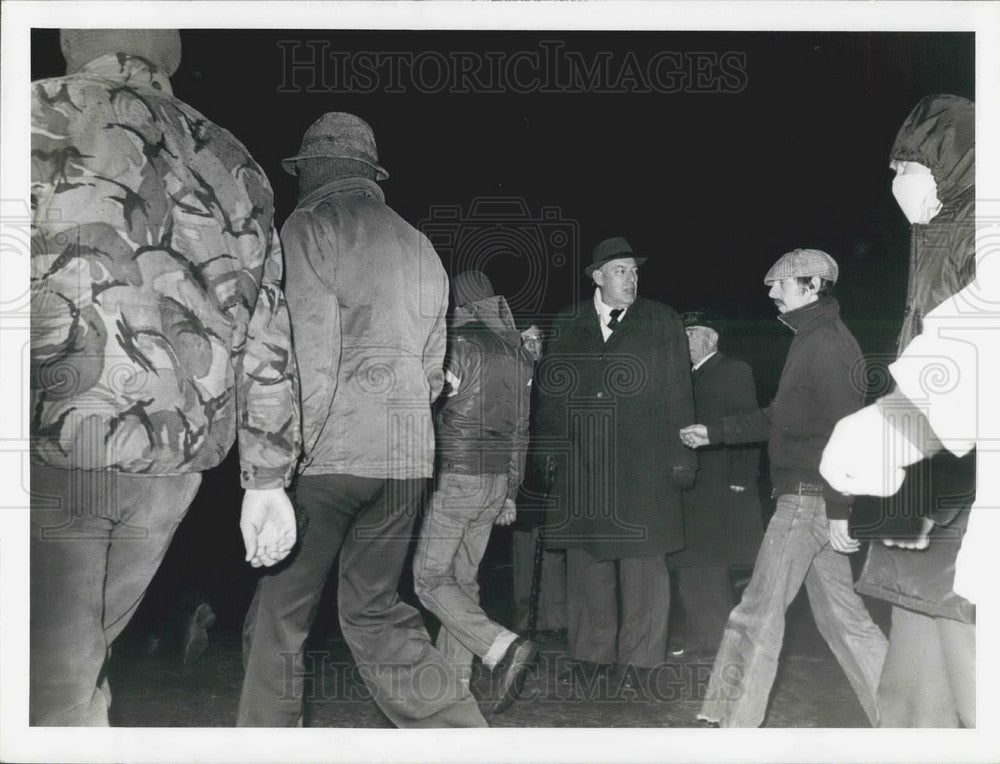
[[159, 333], [614, 389], [807, 537], [367, 296]]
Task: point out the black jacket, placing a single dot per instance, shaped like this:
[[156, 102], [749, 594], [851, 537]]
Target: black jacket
[[482, 427], [609, 414], [722, 527], [822, 382]]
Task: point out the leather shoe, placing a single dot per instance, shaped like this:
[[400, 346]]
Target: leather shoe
[[196, 633], [634, 678], [516, 662], [588, 671]]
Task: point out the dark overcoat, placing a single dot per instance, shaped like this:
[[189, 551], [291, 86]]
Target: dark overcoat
[[609, 414], [722, 527]]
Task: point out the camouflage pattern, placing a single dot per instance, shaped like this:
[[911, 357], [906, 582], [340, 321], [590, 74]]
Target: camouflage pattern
[[159, 328]]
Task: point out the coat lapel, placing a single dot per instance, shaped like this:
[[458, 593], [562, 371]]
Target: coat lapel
[[627, 322], [710, 364], [591, 325]]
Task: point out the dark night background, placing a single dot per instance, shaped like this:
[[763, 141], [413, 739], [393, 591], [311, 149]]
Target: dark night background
[[711, 186]]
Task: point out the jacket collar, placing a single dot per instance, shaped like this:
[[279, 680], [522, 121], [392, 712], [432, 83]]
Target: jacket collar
[[339, 186], [495, 314], [709, 363], [133, 71], [807, 315]]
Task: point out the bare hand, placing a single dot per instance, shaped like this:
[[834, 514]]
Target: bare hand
[[267, 523], [840, 537], [508, 514], [694, 435], [737, 488], [920, 543]]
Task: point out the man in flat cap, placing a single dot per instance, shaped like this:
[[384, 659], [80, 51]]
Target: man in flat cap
[[159, 334], [367, 296], [722, 526], [807, 537], [614, 389], [482, 431]]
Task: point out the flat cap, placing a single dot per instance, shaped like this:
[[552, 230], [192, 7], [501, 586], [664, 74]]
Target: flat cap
[[707, 318], [803, 262]]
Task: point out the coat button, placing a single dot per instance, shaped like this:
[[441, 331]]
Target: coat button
[[600, 395]]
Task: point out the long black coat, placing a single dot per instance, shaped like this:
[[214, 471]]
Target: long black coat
[[609, 412], [722, 527]]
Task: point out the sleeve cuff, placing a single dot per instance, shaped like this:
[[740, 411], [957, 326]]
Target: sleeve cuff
[[261, 478], [716, 433], [838, 510]]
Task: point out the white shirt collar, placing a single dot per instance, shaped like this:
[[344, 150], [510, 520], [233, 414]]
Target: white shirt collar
[[604, 311]]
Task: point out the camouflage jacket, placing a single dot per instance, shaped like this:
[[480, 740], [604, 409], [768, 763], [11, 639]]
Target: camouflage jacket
[[159, 328]]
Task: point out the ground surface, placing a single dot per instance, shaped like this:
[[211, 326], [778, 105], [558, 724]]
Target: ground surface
[[810, 690]]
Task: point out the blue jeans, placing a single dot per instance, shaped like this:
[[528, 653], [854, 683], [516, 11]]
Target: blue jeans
[[97, 538], [446, 567], [796, 547]]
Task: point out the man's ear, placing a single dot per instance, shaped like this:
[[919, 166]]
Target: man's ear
[[598, 277], [815, 282], [713, 338]]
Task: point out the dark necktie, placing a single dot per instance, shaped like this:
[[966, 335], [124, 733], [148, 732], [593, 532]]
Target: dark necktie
[[613, 323]]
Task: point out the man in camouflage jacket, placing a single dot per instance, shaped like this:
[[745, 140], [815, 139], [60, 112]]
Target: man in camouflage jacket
[[159, 332]]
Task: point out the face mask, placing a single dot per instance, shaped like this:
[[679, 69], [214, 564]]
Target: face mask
[[916, 195]]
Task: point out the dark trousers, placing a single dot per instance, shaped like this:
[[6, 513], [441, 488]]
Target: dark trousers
[[97, 538], [594, 588], [551, 594], [707, 598], [929, 676], [369, 522]]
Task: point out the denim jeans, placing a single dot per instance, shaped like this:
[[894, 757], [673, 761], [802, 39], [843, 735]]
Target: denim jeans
[[796, 547], [97, 538], [446, 567], [369, 523]]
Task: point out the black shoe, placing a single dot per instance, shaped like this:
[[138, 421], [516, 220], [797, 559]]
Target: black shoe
[[551, 636], [676, 649], [702, 722], [196, 633], [516, 663], [633, 678], [586, 670]]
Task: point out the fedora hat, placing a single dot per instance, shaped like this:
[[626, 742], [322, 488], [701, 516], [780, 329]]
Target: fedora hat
[[612, 248]]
